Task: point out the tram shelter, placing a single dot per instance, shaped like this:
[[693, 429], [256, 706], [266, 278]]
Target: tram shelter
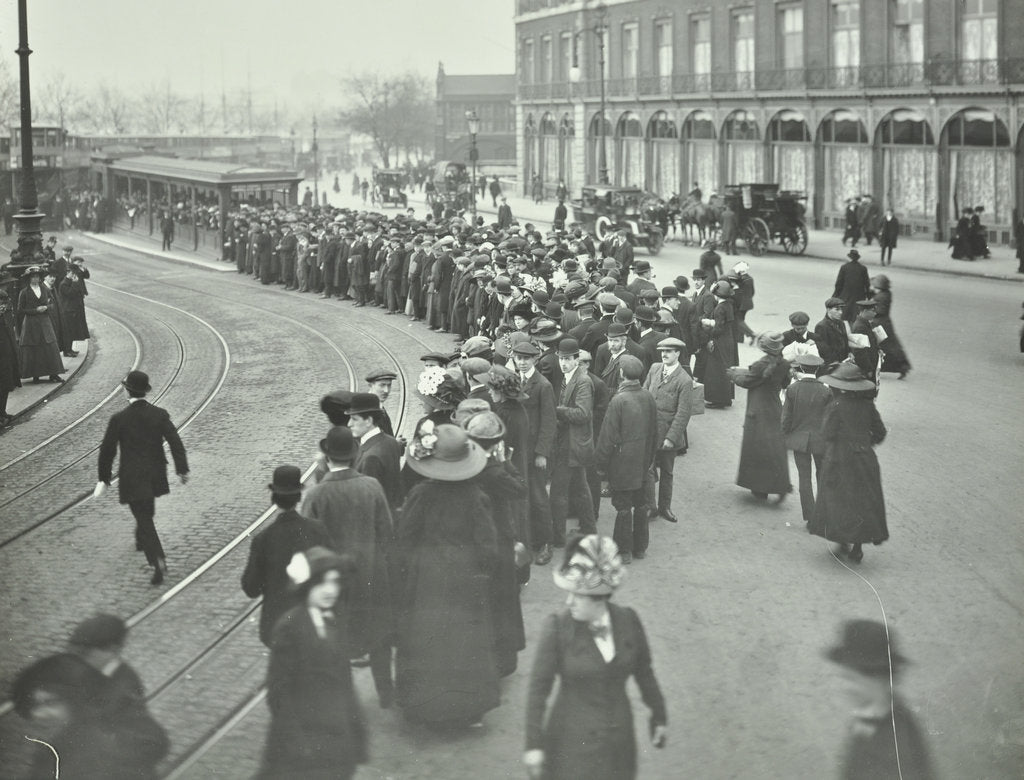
[[197, 194]]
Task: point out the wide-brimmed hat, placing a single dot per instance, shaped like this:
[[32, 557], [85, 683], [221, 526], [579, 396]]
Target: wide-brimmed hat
[[287, 481], [440, 388], [446, 453], [339, 444], [591, 567], [364, 403], [770, 342], [137, 382], [867, 646], [485, 428], [847, 376], [546, 331]]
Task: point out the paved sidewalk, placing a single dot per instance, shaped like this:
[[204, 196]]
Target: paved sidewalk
[[30, 395], [145, 247]]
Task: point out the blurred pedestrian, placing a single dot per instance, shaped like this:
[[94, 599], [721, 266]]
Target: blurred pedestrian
[[711, 263], [316, 722], [850, 508], [852, 231], [888, 236], [803, 420], [166, 231], [561, 740], [273, 547], [884, 739], [139, 432], [495, 189], [894, 357], [764, 466], [744, 299], [869, 216], [730, 229], [447, 551], [504, 214]]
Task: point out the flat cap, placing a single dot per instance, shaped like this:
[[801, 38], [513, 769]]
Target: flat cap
[[381, 375], [102, 630]]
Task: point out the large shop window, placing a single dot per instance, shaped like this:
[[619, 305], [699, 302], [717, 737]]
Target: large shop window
[[981, 165], [700, 151], [792, 152], [847, 159], [743, 154], [909, 164], [664, 145], [594, 142], [629, 141]]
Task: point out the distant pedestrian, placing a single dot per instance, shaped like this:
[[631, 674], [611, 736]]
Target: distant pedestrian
[[139, 432], [888, 236], [167, 231], [884, 738], [850, 508], [273, 547], [803, 420], [852, 284], [316, 722], [719, 350], [495, 189], [960, 241], [593, 647], [504, 214], [671, 384], [730, 229], [764, 466], [852, 231], [869, 216], [561, 214], [537, 189], [711, 263]]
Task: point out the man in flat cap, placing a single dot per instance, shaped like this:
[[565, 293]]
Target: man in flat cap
[[139, 432], [379, 383]]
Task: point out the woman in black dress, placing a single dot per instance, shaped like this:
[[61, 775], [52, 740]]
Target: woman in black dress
[[593, 647], [894, 357], [720, 349], [71, 290], [850, 508], [40, 353], [10, 371]]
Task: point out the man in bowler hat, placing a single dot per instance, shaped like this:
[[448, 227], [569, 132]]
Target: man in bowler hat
[[139, 431]]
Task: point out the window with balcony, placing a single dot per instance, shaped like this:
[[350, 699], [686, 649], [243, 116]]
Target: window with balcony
[[630, 50], [663, 48], [791, 37], [564, 56], [546, 61], [527, 73], [845, 43], [979, 41], [700, 47], [743, 48]]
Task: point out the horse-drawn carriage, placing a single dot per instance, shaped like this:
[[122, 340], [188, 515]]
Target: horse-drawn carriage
[[604, 209], [764, 214]]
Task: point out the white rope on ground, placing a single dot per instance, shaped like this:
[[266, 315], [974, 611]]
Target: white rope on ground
[[888, 650]]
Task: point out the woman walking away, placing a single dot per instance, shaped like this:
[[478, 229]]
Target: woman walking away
[[316, 726], [764, 467], [894, 357], [850, 508], [593, 647]]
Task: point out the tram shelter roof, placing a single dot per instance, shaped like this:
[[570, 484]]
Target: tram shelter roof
[[205, 172]]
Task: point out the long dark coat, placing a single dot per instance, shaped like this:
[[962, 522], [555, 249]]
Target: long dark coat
[[629, 437], [39, 351], [139, 431], [831, 340], [380, 457], [540, 409], [894, 356], [720, 354], [574, 409], [505, 487], [445, 670], [764, 467], [355, 512], [72, 299], [850, 507], [589, 730], [852, 285], [517, 438], [803, 416], [271, 552], [10, 369], [316, 728]]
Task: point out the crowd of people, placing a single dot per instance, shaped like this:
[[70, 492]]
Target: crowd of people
[[572, 379]]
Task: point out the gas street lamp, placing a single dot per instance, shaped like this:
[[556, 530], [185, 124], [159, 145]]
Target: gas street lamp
[[473, 121]]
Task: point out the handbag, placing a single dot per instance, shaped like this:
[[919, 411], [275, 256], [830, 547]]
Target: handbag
[[697, 399]]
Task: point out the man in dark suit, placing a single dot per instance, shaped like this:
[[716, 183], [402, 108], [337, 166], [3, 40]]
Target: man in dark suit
[[273, 547], [803, 426], [642, 282], [649, 337], [574, 445], [830, 334], [852, 284], [140, 431], [379, 383], [380, 453], [606, 361], [623, 253], [167, 230]]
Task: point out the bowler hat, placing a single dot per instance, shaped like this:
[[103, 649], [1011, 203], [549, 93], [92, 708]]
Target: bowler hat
[[646, 314], [287, 481], [670, 292], [853, 254], [364, 403], [623, 315], [137, 382], [101, 630], [867, 646], [540, 297], [339, 444], [447, 454], [699, 273], [641, 266], [617, 329], [568, 348]]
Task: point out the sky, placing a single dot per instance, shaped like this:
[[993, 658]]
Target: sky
[[294, 49]]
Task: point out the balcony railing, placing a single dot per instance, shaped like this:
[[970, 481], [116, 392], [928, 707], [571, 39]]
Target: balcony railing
[[965, 73]]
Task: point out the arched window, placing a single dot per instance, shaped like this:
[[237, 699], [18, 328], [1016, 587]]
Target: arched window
[[548, 158], [663, 139], [792, 153], [741, 138], [700, 152], [629, 155], [981, 165], [846, 159], [599, 132], [529, 152], [909, 164]]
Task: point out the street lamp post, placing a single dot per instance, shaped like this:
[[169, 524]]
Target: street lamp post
[[316, 168], [474, 127], [28, 220], [574, 75]]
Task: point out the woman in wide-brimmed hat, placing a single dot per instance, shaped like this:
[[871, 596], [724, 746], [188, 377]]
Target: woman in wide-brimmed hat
[[764, 467], [593, 647], [894, 357], [39, 351], [720, 348], [850, 508], [445, 666]]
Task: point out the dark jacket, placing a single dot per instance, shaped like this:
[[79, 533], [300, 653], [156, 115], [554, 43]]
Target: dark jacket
[[803, 416], [673, 399], [628, 440], [140, 431], [574, 410], [831, 340], [764, 464], [380, 457], [540, 408], [852, 285]]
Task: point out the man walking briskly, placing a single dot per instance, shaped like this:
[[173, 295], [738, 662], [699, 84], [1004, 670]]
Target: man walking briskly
[[803, 419], [139, 432]]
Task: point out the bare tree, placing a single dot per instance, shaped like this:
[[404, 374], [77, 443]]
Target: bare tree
[[162, 109], [10, 98], [60, 100], [109, 110], [390, 110]]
